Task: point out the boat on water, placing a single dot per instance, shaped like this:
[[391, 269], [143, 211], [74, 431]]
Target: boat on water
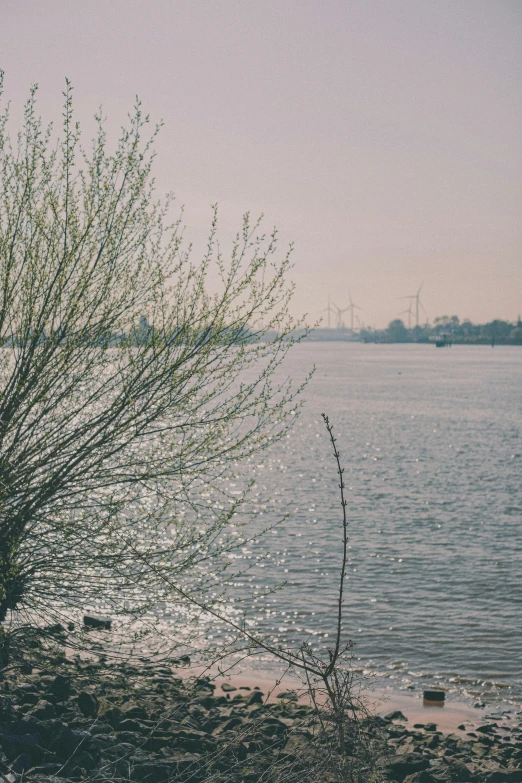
[[442, 340]]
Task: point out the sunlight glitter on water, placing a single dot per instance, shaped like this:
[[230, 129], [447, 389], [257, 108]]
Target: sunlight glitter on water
[[430, 443]]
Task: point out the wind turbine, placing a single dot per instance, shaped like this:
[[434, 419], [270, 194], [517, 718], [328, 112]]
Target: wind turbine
[[409, 311], [339, 314], [329, 310], [418, 303], [351, 307]]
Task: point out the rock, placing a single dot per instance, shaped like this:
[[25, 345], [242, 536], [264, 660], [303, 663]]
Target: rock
[[183, 659], [118, 750], [61, 687], [480, 749], [228, 688], [130, 737], [287, 695], [101, 742], [95, 621], [48, 729], [505, 776], [69, 741], [130, 724], [163, 771], [6, 709], [296, 741], [425, 776], [16, 744], [157, 742], [458, 771], [86, 761], [98, 729], [54, 630], [88, 704], [434, 695], [192, 740], [397, 731], [256, 697], [273, 726], [399, 767], [43, 710], [432, 742], [227, 725], [395, 715], [132, 710], [487, 728], [113, 716]]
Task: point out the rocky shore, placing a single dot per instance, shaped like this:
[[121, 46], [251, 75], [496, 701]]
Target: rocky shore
[[96, 721]]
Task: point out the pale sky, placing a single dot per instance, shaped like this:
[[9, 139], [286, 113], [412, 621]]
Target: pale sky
[[384, 137]]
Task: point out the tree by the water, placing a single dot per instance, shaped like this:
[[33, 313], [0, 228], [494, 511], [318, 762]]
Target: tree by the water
[[130, 388]]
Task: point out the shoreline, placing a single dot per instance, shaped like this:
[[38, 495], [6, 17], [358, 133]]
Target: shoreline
[[87, 719], [380, 701]]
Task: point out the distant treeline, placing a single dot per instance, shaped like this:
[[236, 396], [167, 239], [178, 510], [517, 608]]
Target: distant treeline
[[447, 328]]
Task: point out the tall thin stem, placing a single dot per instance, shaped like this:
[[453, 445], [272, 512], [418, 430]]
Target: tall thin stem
[[340, 599]]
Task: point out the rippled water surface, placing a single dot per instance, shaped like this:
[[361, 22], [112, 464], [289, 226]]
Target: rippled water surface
[[431, 445]]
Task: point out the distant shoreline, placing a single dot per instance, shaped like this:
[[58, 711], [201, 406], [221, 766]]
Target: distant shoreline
[[346, 336]]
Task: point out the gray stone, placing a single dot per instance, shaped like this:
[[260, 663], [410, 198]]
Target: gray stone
[[118, 750], [129, 737], [60, 687], [132, 710], [130, 724], [400, 766], [192, 740], [95, 621], [425, 776], [227, 725], [69, 741], [100, 728], [458, 771], [395, 715], [88, 704], [256, 697], [287, 695], [113, 716], [160, 771], [43, 710]]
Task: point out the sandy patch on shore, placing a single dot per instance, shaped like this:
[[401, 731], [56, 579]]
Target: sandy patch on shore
[[380, 701]]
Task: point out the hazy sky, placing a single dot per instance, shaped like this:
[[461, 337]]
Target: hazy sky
[[384, 137]]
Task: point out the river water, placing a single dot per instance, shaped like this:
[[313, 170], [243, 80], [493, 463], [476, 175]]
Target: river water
[[431, 443]]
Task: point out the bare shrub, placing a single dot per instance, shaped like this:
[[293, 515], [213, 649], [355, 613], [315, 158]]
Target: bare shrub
[[131, 389]]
